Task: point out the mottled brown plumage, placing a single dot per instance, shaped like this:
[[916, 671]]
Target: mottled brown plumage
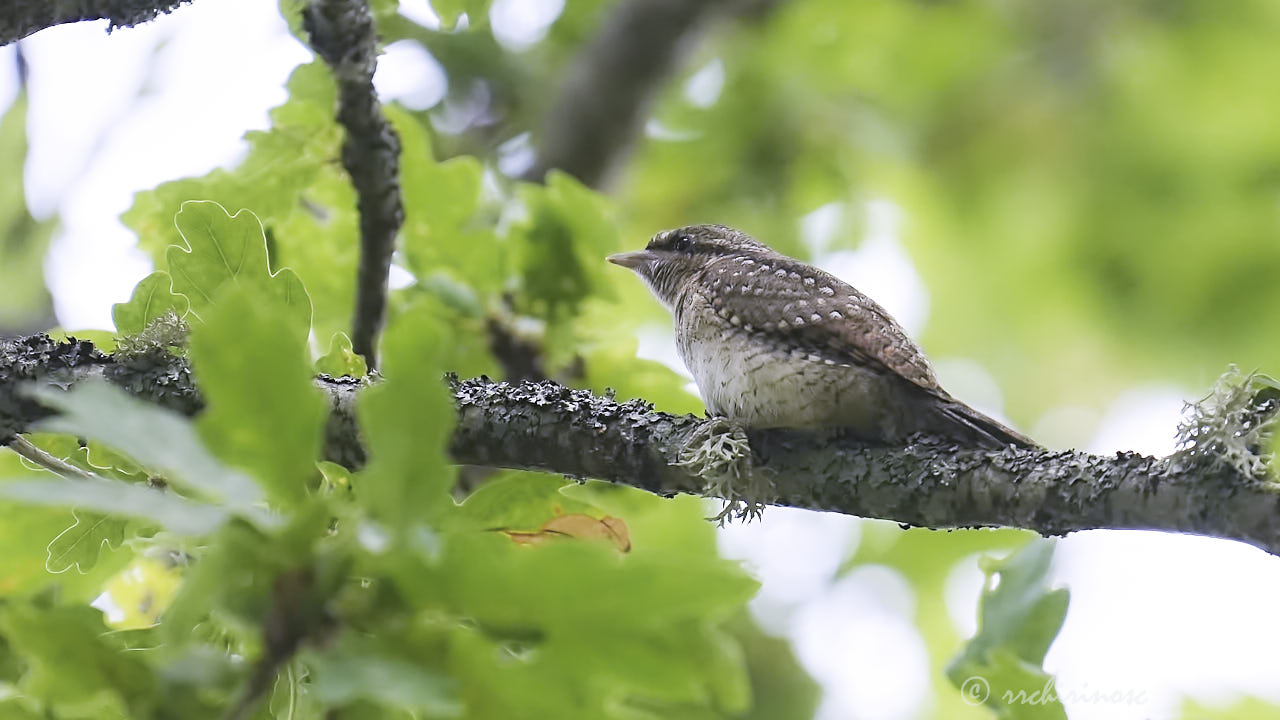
[[773, 342]]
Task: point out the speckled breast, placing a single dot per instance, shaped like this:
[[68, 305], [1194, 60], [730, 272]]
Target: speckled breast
[[755, 380]]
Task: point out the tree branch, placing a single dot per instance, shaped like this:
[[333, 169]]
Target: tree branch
[[58, 466], [20, 18], [342, 32], [601, 108], [298, 614], [544, 426]]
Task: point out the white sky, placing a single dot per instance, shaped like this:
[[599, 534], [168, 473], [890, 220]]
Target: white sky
[[1150, 612]]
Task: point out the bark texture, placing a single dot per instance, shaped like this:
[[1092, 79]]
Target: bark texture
[[545, 426], [20, 18], [343, 34]]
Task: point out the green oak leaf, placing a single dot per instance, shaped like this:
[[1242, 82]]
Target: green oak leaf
[[263, 411], [101, 459], [282, 162], [152, 298], [315, 241], [1014, 688], [16, 708], [518, 500], [406, 422], [559, 249], [780, 686], [1018, 618], [25, 558], [158, 439], [571, 594], [74, 664], [560, 651], [449, 11], [336, 477], [166, 509], [441, 198], [91, 456], [1242, 708], [236, 575], [80, 544], [104, 340], [341, 360], [62, 446], [224, 250], [24, 300], [363, 668]]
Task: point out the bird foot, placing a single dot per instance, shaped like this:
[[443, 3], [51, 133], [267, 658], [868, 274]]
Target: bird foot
[[719, 452]]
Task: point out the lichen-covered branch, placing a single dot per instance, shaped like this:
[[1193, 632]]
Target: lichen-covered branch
[[544, 426], [20, 18], [547, 427], [342, 32]]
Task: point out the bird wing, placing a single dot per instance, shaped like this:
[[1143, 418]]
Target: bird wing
[[807, 308]]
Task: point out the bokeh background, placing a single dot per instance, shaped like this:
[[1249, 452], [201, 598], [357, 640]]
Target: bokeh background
[[1073, 204]]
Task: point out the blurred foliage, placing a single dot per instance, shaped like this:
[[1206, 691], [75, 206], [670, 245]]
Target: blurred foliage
[[780, 687], [1018, 618], [1089, 192], [927, 560], [341, 359], [224, 547], [1089, 188], [1245, 709], [236, 546], [25, 305]]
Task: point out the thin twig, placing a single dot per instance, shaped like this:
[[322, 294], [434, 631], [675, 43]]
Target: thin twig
[[297, 615], [519, 355], [30, 451], [342, 32]]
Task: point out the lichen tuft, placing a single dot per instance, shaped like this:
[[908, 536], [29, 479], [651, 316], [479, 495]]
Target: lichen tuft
[[1232, 426], [718, 452], [167, 332]]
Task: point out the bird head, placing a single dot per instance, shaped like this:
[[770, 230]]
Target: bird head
[[675, 257]]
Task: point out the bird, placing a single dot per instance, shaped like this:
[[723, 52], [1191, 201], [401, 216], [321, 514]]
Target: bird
[[773, 342]]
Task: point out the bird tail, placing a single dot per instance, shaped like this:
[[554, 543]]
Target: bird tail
[[984, 430]]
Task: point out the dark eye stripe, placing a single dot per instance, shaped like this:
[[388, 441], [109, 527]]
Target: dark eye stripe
[[684, 243], [705, 240]]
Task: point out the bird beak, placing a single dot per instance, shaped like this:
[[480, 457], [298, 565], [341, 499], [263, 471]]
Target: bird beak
[[632, 260]]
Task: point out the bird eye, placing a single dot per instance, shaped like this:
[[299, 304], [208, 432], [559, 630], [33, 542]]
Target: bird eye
[[681, 243]]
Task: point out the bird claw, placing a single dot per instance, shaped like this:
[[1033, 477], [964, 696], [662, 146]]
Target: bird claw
[[719, 452]]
